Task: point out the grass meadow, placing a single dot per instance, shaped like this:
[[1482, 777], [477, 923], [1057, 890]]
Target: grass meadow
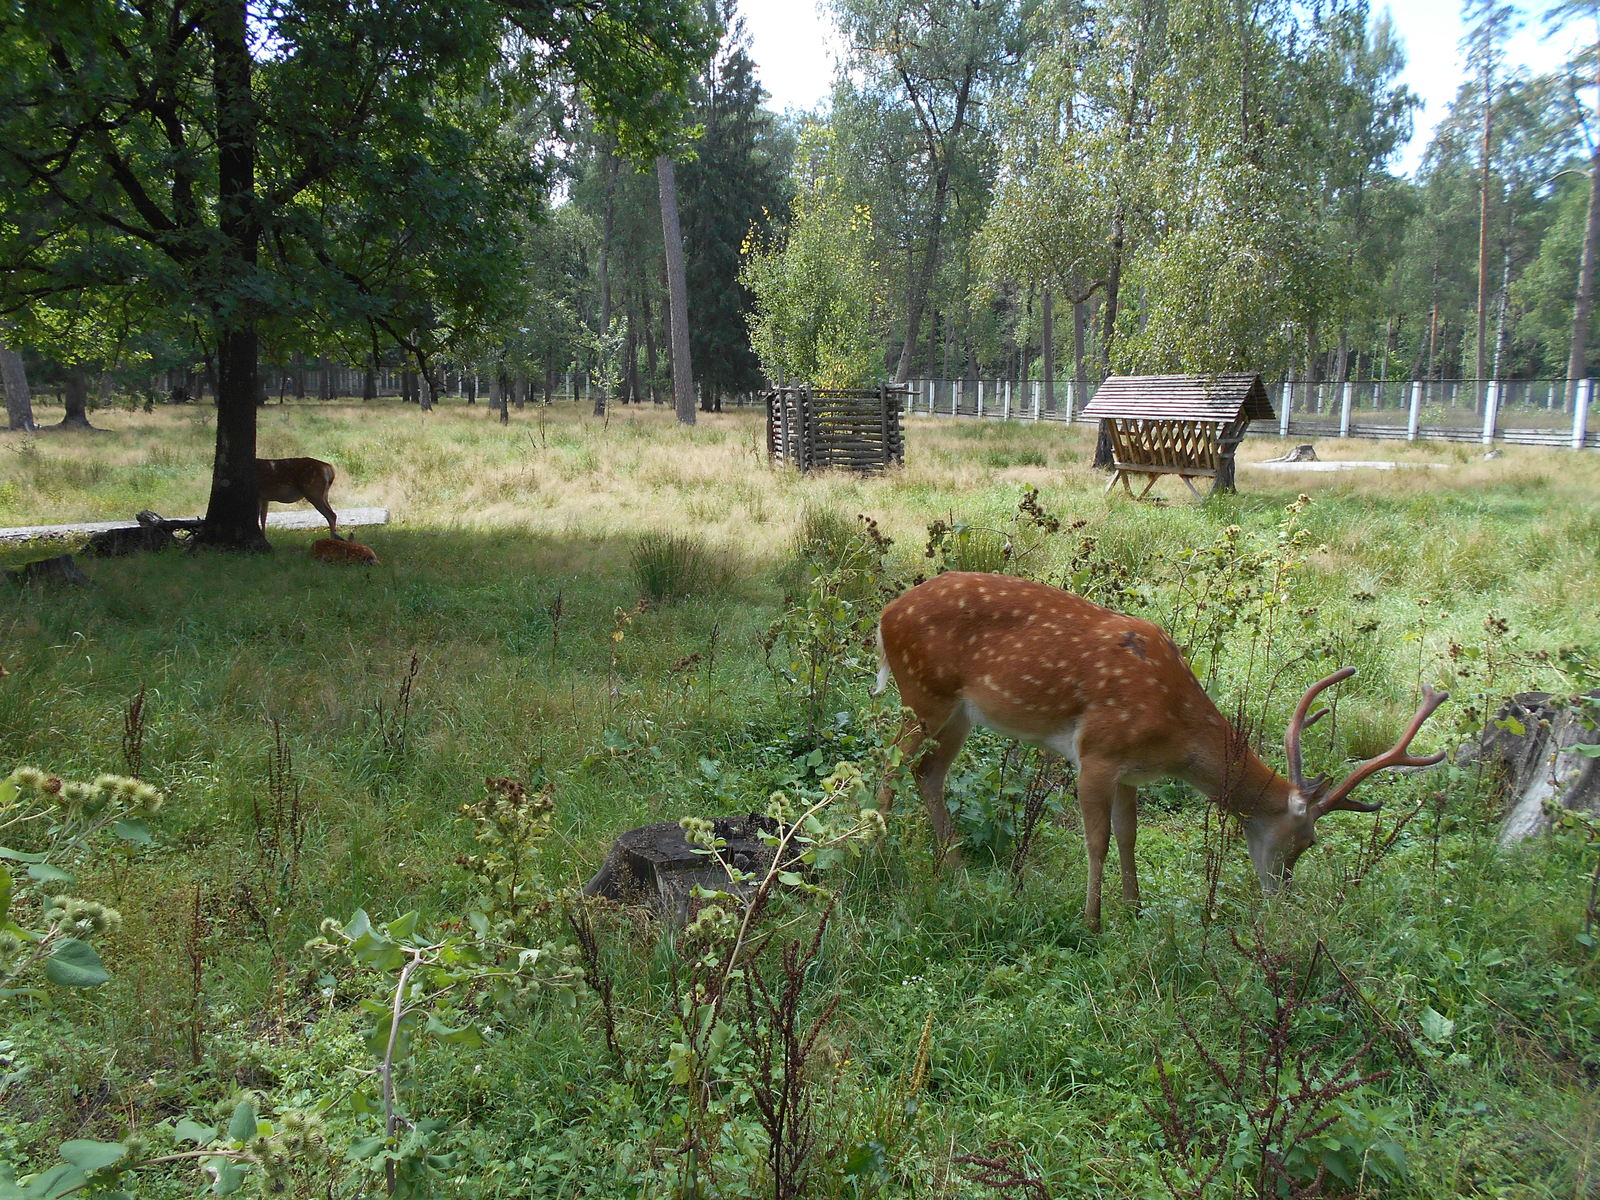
[[642, 622]]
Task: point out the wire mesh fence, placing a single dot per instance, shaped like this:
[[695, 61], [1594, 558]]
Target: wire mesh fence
[[1537, 412]]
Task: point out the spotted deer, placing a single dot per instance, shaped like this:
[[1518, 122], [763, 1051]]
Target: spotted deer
[[1111, 693], [285, 480], [342, 550]]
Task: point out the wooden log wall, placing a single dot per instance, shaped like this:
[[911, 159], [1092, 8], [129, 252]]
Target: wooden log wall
[[818, 429]]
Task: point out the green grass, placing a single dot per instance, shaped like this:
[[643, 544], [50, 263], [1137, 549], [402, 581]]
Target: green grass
[[510, 570]]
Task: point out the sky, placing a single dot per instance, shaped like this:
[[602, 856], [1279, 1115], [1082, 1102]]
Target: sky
[[793, 46]]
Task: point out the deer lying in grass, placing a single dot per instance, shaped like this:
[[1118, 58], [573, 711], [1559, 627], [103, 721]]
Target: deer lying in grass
[[1111, 693], [285, 480], [342, 550]]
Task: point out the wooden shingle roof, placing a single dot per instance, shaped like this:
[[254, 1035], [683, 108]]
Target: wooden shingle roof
[[1182, 398]]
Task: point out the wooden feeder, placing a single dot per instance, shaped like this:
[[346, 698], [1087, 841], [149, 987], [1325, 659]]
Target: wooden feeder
[[850, 429], [1183, 425]]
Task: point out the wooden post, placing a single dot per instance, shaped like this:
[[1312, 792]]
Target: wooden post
[[1283, 409], [1414, 417], [1491, 411], [1344, 409], [1580, 413]]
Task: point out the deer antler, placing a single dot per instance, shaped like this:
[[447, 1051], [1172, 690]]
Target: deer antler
[[1299, 723], [1395, 756]]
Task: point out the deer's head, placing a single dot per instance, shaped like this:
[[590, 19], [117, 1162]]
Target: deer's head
[[1278, 836]]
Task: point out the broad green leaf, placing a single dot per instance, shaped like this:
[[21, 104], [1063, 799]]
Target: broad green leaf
[[73, 963], [242, 1126], [358, 925], [1435, 1027], [364, 1148], [19, 856], [1587, 749], [465, 1035], [404, 928], [227, 1176], [45, 873], [8, 793], [1512, 726], [58, 1181], [132, 829], [192, 1131], [92, 1156]]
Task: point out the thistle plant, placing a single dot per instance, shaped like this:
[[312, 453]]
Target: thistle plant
[[49, 824]]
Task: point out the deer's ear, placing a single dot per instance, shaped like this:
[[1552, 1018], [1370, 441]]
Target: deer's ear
[[1314, 789]]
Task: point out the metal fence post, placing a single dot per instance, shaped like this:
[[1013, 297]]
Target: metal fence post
[[930, 397], [1283, 414], [1072, 402], [980, 397], [1580, 413], [1414, 417], [1036, 403], [955, 397], [1005, 411], [1344, 409], [1491, 411]]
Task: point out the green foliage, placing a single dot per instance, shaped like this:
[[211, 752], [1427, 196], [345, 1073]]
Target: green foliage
[[672, 566], [53, 824], [818, 301]]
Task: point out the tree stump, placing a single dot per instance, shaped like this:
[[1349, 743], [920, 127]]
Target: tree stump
[[155, 532], [62, 569], [1533, 743], [655, 865]]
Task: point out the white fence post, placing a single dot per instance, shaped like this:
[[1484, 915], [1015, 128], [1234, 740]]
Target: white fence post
[[1283, 410], [1580, 413], [930, 397], [1491, 411], [1005, 411], [1344, 409], [1414, 417], [1037, 404], [955, 397], [980, 397]]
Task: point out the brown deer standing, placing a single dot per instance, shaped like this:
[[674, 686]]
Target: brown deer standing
[[285, 480], [1111, 693]]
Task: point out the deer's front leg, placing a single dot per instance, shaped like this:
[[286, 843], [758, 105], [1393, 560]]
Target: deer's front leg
[[1097, 793]]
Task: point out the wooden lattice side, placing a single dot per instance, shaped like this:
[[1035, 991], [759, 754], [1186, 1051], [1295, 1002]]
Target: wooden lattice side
[[843, 429]]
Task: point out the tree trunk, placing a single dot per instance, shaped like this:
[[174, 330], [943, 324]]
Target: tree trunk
[[603, 272], [232, 517], [1080, 368], [1578, 357], [677, 293], [76, 400], [651, 363], [1047, 349], [939, 150], [369, 386], [1483, 221], [19, 402]]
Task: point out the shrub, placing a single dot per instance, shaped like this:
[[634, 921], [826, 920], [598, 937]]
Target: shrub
[[669, 566]]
